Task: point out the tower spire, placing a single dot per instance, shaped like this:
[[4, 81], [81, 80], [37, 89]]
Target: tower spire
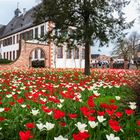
[[17, 11]]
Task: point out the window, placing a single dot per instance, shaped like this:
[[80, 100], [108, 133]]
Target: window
[[26, 35], [36, 54], [42, 55], [83, 53], [10, 55], [76, 53], [42, 31], [36, 33], [30, 34], [7, 55], [23, 36], [4, 56], [13, 39], [68, 55], [17, 38], [59, 52], [13, 55]]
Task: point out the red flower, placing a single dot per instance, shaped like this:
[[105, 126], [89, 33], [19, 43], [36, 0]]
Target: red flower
[[72, 116], [45, 109], [101, 113], [63, 124], [114, 107], [11, 103], [20, 101], [91, 118], [6, 109], [58, 114], [109, 112], [90, 102], [138, 122], [129, 112], [81, 136], [118, 114], [111, 101], [115, 128], [114, 125], [30, 125], [25, 135], [104, 105], [2, 119]]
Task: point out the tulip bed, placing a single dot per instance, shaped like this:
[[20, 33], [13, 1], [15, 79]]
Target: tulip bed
[[41, 104]]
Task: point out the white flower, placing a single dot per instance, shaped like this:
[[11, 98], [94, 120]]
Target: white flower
[[112, 137], [59, 105], [60, 138], [117, 98], [1, 109], [43, 99], [96, 93], [61, 100], [0, 128], [23, 106], [93, 124], [49, 126], [101, 118], [34, 112], [50, 113], [9, 95], [40, 126], [132, 105], [81, 127]]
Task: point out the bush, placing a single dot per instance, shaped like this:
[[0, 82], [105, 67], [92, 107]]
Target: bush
[[5, 61], [38, 63], [118, 65]]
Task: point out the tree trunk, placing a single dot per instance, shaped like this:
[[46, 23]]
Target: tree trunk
[[87, 58]]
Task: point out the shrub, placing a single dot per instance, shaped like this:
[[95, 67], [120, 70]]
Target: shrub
[[38, 63], [5, 61]]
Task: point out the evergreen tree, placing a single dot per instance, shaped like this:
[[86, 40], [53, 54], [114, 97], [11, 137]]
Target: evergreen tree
[[82, 22]]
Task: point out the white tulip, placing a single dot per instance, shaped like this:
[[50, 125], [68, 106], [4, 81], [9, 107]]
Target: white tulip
[[117, 98], [1, 109], [34, 112], [23, 106], [93, 124], [112, 137], [81, 127], [9, 95], [40, 126], [101, 118], [49, 126], [60, 138]]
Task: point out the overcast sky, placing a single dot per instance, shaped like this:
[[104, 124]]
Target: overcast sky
[[7, 8]]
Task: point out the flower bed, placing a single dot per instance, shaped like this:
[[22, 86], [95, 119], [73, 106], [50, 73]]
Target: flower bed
[[66, 105]]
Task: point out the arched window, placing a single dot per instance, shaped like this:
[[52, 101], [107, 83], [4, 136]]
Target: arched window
[[36, 53]]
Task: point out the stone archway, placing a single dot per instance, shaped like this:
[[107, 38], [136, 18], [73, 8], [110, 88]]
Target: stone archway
[[26, 49], [37, 55]]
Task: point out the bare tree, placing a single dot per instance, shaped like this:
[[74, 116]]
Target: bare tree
[[122, 49], [133, 43]]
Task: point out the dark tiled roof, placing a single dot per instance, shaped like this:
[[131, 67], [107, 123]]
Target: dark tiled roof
[[2, 27], [18, 24]]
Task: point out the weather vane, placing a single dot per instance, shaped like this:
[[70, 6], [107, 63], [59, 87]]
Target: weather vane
[[17, 4]]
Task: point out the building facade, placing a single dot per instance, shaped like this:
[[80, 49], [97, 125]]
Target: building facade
[[20, 38]]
